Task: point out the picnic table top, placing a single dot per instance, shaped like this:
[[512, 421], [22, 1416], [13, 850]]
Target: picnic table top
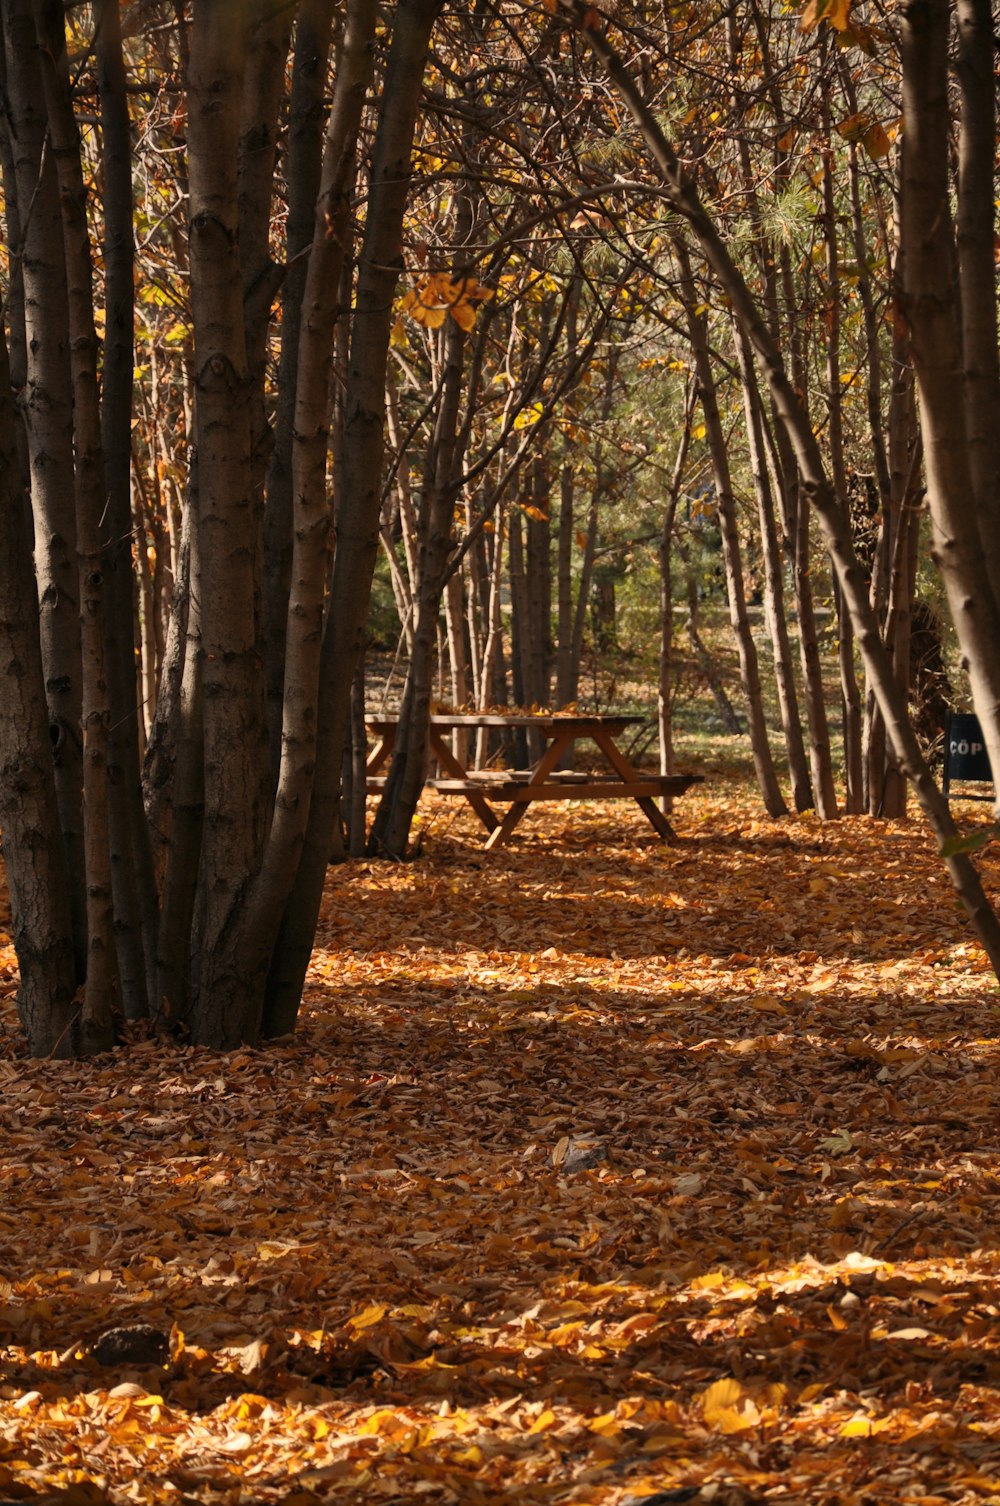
[[559, 721]]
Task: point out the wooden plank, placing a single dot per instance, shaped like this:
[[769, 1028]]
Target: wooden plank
[[599, 788], [551, 725]]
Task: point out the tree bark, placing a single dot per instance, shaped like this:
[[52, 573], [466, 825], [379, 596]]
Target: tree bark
[[975, 227], [33, 852], [665, 658], [753, 700], [311, 506], [538, 576], [359, 504], [304, 166], [774, 591], [48, 406], [963, 536], [850, 695], [226, 559], [133, 879], [101, 1000]]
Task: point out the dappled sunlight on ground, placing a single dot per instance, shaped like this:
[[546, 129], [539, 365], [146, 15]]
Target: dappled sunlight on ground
[[597, 1169]]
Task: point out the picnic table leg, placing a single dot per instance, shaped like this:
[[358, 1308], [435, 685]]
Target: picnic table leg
[[380, 752], [539, 775], [450, 764], [628, 775]]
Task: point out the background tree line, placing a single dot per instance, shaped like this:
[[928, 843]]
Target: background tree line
[[294, 286]]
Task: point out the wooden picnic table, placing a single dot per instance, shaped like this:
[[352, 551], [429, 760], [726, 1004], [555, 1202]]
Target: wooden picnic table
[[519, 788]]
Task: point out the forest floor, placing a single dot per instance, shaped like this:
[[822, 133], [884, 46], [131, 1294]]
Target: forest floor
[[598, 1172]]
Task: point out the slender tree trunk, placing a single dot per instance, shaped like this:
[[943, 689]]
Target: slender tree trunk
[[184, 794], [263, 90], [526, 748], [360, 499], [814, 691], [850, 695], [475, 592], [48, 404], [133, 880], [518, 586], [227, 557], [493, 688], [357, 808], [311, 509], [774, 591], [33, 853], [101, 994], [306, 111], [565, 684], [753, 699], [850, 704], [458, 654], [902, 525], [565, 689], [538, 576], [590, 532], [403, 580], [665, 664], [963, 536], [976, 242]]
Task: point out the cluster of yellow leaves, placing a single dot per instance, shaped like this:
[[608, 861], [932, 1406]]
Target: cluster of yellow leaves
[[847, 29], [431, 301], [837, 13], [873, 136], [597, 1169]]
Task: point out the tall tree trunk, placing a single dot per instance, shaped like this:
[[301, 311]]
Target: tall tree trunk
[[404, 574], [227, 557], [493, 686], [311, 508], [753, 699], [183, 795], [948, 358], [850, 695], [459, 666], [33, 853], [525, 750], [100, 998], [263, 90], [133, 879], [975, 227], [360, 500], [408, 769], [307, 105], [590, 532], [665, 658], [565, 680], [565, 689], [850, 707], [774, 591], [48, 404], [538, 580]]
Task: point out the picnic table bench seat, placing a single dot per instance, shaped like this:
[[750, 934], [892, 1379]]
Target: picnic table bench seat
[[515, 784]]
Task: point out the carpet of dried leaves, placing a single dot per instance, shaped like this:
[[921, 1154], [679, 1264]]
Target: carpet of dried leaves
[[599, 1172]]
